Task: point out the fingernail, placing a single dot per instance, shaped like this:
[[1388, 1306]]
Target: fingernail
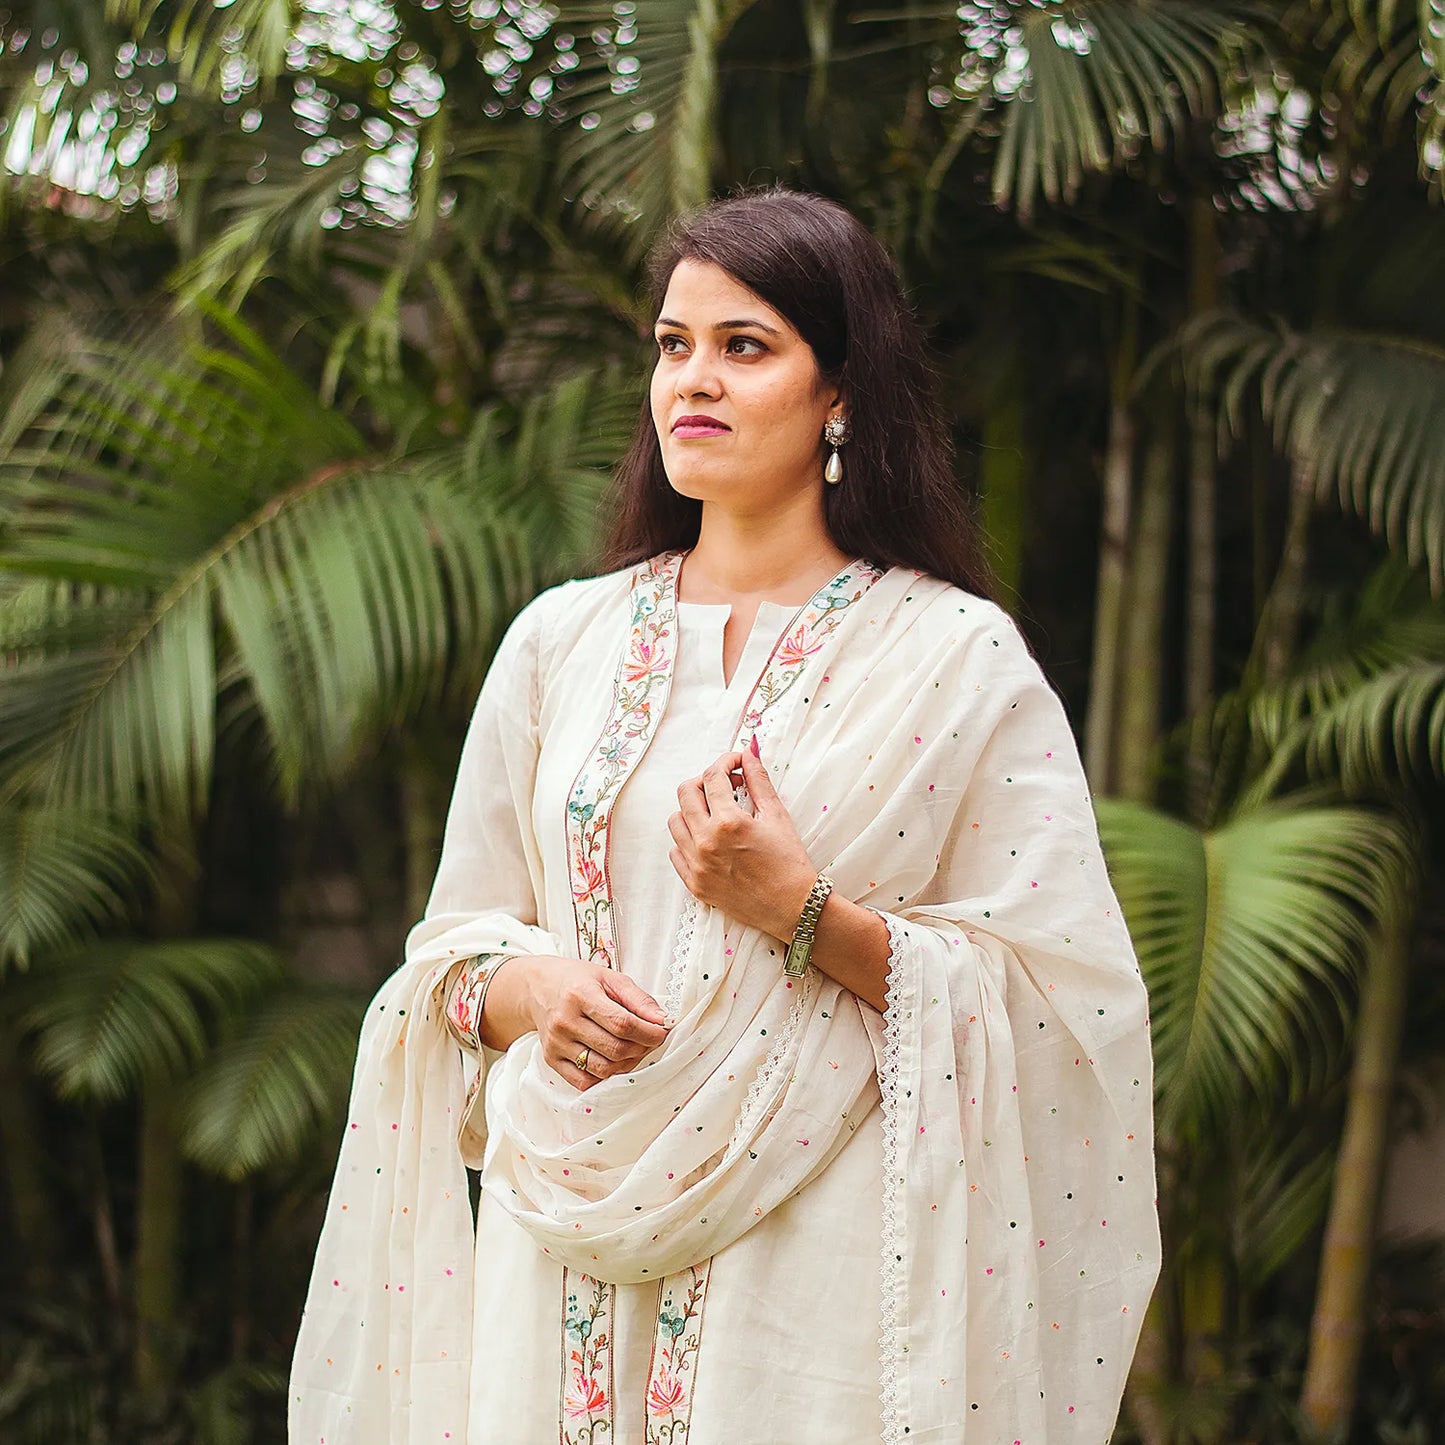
[[756, 752]]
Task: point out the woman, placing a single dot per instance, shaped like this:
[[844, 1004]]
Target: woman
[[808, 1065]]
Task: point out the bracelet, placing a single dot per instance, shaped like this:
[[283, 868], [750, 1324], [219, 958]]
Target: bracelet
[[795, 961], [469, 996]]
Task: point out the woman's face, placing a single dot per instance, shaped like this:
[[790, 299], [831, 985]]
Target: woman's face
[[737, 397]]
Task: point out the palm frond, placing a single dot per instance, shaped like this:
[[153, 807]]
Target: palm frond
[[1362, 417], [222, 534], [63, 873], [1074, 90], [642, 104], [266, 1092], [1389, 622], [1386, 728], [204, 38], [1251, 937], [1280, 1202], [115, 1017]]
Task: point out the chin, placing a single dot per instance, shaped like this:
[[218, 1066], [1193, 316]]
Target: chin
[[701, 484]]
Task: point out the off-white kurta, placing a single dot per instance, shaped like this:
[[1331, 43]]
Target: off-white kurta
[[817, 1253], [997, 1117]]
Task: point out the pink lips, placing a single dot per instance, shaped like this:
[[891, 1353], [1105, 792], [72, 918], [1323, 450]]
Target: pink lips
[[688, 427]]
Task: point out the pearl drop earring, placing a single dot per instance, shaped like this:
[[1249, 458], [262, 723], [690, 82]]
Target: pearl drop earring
[[836, 432]]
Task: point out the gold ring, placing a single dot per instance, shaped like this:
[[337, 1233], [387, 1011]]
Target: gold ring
[[580, 1062]]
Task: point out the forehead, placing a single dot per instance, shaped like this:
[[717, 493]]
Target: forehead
[[701, 294]]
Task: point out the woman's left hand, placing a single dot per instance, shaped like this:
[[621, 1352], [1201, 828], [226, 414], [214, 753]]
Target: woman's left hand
[[755, 868]]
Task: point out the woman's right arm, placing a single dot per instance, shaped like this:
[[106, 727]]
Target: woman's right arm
[[491, 870], [571, 1004]]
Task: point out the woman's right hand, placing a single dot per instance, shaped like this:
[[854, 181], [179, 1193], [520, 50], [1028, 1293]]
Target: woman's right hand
[[573, 1004]]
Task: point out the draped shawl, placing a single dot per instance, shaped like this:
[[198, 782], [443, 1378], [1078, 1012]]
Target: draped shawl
[[930, 767]]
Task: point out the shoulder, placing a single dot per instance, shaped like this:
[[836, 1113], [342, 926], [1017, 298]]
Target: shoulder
[[952, 619], [570, 604]]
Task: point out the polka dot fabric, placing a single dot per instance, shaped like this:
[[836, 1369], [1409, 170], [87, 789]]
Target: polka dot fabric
[[931, 769]]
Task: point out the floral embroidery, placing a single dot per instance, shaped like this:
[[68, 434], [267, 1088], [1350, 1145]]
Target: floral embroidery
[[785, 668], [639, 696], [464, 1002], [672, 1373], [587, 1306]]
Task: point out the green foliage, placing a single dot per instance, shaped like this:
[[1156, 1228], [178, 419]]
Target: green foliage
[[641, 148], [117, 1017], [232, 551], [1358, 415], [376, 355], [270, 1088], [62, 873], [1251, 937]]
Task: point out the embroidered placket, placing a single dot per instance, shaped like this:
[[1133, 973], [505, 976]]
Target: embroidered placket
[[587, 1414]]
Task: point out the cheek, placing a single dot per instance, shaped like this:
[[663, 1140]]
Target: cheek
[[787, 411]]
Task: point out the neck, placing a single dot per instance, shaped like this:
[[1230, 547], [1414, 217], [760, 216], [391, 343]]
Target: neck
[[775, 557]]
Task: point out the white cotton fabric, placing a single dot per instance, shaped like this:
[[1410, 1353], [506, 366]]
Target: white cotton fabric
[[818, 1251], [930, 767]]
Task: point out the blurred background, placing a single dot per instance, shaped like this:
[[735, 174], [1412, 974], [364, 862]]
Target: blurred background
[[321, 327]]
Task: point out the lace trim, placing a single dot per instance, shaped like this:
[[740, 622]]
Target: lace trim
[[890, 1347], [677, 970], [762, 1085]]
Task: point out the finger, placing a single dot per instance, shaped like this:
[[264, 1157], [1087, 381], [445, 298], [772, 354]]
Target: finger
[[604, 1045], [623, 1023], [717, 784], [691, 800], [681, 833], [759, 782], [567, 1070], [680, 866], [633, 997]]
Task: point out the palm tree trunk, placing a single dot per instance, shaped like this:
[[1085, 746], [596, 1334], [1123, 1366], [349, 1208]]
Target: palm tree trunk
[[158, 1217], [1140, 703], [423, 810], [1203, 505], [1336, 1332], [1002, 486], [1279, 630], [1113, 559], [97, 1186], [31, 1215]]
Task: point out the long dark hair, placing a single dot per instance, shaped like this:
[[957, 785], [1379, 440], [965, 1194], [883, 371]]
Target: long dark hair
[[815, 264]]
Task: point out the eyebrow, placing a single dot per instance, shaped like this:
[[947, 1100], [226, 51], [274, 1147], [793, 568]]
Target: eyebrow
[[742, 324]]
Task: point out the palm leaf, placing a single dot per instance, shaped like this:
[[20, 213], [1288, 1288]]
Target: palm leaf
[[202, 36], [1280, 1201], [642, 102], [1386, 728], [266, 1092], [1364, 703], [1251, 937], [63, 873], [118, 1016], [222, 535], [1362, 417], [1075, 88]]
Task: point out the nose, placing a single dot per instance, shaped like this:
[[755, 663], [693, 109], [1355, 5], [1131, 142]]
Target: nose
[[698, 374]]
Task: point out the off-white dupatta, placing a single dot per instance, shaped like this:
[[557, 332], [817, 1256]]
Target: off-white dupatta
[[930, 767]]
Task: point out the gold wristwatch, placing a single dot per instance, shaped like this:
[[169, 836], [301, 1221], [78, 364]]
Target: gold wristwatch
[[795, 961]]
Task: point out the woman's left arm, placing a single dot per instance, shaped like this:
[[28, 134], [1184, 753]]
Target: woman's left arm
[[757, 870]]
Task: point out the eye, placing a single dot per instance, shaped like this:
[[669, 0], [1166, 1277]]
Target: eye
[[670, 343], [745, 346]]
